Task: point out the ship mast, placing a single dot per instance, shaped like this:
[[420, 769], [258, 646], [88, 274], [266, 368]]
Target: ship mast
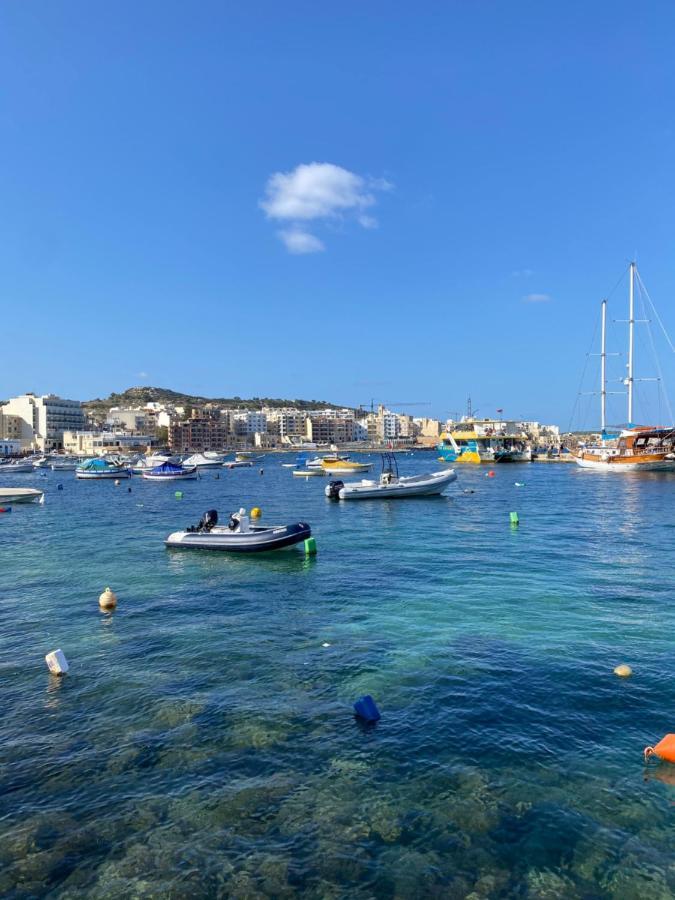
[[603, 369], [631, 330]]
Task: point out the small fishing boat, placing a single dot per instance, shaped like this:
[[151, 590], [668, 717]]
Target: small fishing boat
[[101, 468], [171, 472], [318, 461], [238, 464], [344, 466], [308, 473], [19, 495], [391, 485], [238, 536], [15, 467], [202, 461], [65, 463]]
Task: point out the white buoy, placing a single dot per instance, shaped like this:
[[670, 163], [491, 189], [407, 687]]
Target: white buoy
[[108, 599], [57, 662]]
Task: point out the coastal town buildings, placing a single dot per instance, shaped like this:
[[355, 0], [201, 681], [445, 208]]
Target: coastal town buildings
[[44, 419], [100, 443], [198, 435]]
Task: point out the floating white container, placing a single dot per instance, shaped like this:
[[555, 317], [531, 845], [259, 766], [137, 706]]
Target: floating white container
[[57, 662]]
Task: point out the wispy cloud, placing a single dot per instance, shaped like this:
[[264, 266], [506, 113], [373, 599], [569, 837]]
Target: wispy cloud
[[142, 375], [319, 193], [522, 273], [537, 298], [299, 241]]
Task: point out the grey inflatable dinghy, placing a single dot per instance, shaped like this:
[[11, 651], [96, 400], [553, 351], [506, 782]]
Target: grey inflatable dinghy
[[238, 536]]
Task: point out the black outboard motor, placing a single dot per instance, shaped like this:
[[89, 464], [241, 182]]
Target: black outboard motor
[[208, 520], [333, 490]]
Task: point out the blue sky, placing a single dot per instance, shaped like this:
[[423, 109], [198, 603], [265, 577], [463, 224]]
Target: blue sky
[[483, 153]]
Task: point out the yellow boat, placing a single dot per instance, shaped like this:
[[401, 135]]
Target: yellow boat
[[344, 466]]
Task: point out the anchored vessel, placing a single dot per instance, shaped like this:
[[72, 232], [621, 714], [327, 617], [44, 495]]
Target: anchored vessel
[[20, 495], [476, 441], [170, 472], [238, 536], [101, 468], [391, 485], [636, 448]]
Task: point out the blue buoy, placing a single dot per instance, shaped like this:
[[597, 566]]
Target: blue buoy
[[59, 487], [366, 709]]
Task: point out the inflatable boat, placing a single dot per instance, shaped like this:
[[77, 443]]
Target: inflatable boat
[[238, 536]]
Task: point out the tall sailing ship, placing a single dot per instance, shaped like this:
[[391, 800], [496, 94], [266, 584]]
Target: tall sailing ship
[[636, 448]]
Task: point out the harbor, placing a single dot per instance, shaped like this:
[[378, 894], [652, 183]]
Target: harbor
[[215, 702]]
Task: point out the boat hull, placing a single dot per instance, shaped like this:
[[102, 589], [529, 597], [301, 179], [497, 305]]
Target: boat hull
[[19, 495], [174, 476], [99, 476], [15, 468], [415, 486], [259, 539], [653, 463]]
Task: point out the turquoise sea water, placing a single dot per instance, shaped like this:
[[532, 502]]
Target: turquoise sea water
[[203, 743]]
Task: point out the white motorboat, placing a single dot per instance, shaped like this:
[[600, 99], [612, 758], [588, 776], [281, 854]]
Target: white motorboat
[[19, 495], [15, 467], [308, 473], [238, 536], [391, 485], [202, 461], [238, 464]]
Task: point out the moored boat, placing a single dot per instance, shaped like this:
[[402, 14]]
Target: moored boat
[[238, 536], [202, 461], [391, 485], [15, 467], [99, 468], [344, 466], [171, 472], [20, 495], [635, 449]]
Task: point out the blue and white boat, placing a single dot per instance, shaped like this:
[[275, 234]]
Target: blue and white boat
[[171, 472], [101, 468]]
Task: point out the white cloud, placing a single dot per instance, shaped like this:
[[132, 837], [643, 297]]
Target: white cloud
[[299, 241], [319, 192], [522, 273], [142, 375], [537, 298]]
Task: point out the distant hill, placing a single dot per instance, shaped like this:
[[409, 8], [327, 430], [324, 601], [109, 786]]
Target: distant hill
[[137, 396]]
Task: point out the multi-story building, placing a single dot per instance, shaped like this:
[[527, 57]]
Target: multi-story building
[[130, 419], [290, 422], [198, 435], [45, 418], [99, 443], [11, 427], [248, 422], [328, 430]]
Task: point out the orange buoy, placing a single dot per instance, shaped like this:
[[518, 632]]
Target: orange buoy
[[665, 749]]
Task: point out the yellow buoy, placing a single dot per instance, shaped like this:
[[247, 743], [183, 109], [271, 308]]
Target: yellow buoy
[[623, 671], [256, 512], [108, 599]]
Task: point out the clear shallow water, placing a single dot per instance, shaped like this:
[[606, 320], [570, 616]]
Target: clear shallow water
[[203, 743]]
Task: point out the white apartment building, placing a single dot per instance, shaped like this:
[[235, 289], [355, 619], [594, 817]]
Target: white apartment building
[[249, 422], [45, 418]]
